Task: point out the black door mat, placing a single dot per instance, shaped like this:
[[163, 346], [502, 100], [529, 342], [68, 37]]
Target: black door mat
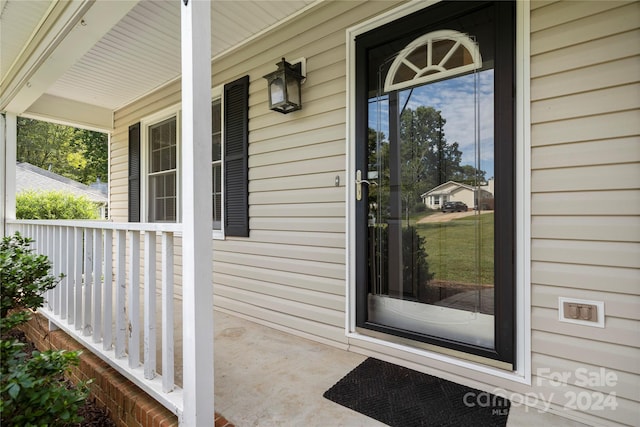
[[401, 397]]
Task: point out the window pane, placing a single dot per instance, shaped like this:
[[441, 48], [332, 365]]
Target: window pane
[[216, 130], [216, 147], [162, 170], [170, 185], [160, 185], [170, 212], [418, 57], [216, 167], [403, 74], [162, 145], [426, 259], [440, 49], [172, 157], [217, 211], [159, 209], [165, 156], [155, 161], [460, 57], [216, 175], [162, 197]]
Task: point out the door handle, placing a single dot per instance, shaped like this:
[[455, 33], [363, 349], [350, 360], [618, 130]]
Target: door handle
[[359, 182]]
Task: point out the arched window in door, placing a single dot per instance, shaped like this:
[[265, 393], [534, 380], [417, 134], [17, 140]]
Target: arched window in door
[[433, 56]]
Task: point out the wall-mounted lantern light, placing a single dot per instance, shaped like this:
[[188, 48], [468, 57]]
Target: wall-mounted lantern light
[[284, 87]]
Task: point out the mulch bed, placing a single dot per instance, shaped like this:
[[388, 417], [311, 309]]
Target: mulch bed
[[92, 414]]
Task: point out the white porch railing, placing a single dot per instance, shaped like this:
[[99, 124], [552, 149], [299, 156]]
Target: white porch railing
[[98, 302]]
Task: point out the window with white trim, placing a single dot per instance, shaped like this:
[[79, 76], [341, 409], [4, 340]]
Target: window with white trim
[[162, 194], [154, 163], [162, 167], [162, 170]]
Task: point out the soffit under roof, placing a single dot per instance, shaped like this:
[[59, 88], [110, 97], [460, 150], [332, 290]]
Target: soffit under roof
[[142, 51]]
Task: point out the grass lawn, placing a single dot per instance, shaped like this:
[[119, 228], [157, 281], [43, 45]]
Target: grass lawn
[[460, 250]]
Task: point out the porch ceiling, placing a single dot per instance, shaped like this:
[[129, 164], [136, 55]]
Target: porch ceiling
[[77, 62]]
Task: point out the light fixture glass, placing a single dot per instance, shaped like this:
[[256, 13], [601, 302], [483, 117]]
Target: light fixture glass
[[284, 87], [276, 90]]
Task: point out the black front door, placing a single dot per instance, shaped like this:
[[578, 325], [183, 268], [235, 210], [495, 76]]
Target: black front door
[[435, 178]]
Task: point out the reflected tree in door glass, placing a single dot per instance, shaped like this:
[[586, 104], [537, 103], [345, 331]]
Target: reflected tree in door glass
[[439, 259]]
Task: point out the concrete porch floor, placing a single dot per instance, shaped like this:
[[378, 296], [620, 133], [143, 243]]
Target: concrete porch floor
[[265, 377]]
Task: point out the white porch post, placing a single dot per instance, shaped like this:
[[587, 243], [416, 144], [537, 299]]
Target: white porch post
[[8, 149], [197, 275]]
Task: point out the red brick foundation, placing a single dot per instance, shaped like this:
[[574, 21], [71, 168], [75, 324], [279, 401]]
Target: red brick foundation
[[126, 404]]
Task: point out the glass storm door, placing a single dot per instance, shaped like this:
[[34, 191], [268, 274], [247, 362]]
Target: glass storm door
[[434, 206]]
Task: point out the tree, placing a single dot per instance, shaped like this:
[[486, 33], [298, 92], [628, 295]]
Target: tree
[[78, 154], [467, 174], [95, 149], [43, 144], [427, 158]]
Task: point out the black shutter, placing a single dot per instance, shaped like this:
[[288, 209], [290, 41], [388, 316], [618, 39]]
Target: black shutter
[[236, 154], [134, 173]]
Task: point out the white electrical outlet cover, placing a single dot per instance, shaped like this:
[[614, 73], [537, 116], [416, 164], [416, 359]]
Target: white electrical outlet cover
[[599, 304]]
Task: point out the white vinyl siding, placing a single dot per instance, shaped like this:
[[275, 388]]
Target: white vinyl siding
[[585, 159]]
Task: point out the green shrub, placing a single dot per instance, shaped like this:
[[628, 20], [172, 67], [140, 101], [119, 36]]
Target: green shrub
[[54, 205], [32, 389], [415, 267], [24, 278]]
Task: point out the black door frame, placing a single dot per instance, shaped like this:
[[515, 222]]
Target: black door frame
[[504, 139]]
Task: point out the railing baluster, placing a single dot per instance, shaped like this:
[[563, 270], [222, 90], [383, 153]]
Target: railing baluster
[[108, 290], [121, 288], [88, 277], [62, 254], [134, 299], [50, 251], [96, 322], [70, 274], [167, 313], [43, 240], [55, 268], [40, 238], [150, 304], [57, 263], [78, 239], [44, 250]]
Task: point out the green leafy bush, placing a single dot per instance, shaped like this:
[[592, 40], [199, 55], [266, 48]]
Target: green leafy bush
[[32, 388], [415, 267], [54, 205], [24, 277]]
